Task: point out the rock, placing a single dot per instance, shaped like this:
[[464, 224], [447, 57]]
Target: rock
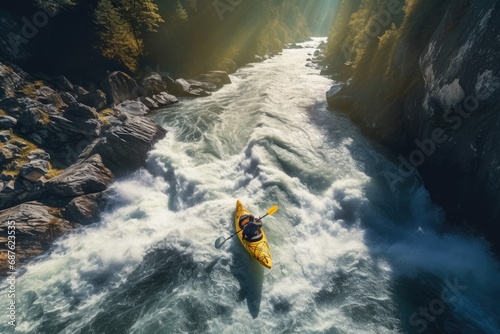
[[76, 119], [154, 84], [125, 147], [135, 108], [85, 177], [7, 122], [68, 98], [47, 95], [80, 91], [36, 225], [86, 209], [7, 154], [258, 59], [38, 154], [62, 83], [164, 99], [95, 99], [120, 87], [32, 116], [5, 136], [182, 87], [80, 111], [338, 99], [207, 86], [11, 78], [218, 78], [34, 170], [149, 102]]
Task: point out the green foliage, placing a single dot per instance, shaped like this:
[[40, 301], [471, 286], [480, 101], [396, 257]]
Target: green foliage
[[122, 24], [54, 6]]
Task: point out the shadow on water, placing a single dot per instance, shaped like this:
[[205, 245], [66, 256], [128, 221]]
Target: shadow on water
[[250, 276]]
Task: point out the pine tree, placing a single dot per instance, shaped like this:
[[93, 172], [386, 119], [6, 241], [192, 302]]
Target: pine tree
[[121, 24]]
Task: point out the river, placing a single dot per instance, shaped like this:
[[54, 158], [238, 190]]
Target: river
[[350, 254]]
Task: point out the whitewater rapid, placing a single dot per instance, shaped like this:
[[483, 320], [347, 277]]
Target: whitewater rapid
[[350, 255]]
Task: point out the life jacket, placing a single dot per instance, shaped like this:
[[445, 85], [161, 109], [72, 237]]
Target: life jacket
[[251, 231]]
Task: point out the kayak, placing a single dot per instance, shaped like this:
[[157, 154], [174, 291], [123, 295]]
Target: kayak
[[258, 249]]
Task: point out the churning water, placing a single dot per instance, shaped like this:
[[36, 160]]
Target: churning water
[[350, 255]]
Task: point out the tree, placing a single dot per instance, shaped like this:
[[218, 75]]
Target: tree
[[121, 24]]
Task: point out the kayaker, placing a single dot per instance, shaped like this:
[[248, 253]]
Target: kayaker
[[251, 228]]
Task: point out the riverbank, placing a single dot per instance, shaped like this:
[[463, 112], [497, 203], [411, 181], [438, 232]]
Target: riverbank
[[62, 145]]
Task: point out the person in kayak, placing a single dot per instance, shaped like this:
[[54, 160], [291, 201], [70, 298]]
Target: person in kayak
[[251, 228]]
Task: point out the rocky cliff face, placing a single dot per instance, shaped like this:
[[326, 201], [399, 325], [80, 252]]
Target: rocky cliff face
[[449, 120]]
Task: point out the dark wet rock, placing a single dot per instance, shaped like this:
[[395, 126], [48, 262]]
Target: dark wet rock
[[36, 226], [154, 84], [120, 87], [135, 108], [164, 99], [125, 147], [96, 99], [34, 170], [86, 209], [85, 177], [7, 122]]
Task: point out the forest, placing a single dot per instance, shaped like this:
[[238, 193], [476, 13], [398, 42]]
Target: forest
[[184, 36]]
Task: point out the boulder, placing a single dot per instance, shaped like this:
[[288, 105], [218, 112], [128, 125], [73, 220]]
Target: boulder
[[47, 95], [34, 170], [149, 102], [68, 98], [5, 136], [96, 99], [218, 78], [76, 119], [63, 84], [120, 87], [80, 111], [86, 209], [36, 225], [182, 87], [84, 177], [207, 86], [38, 154], [135, 108], [125, 147], [337, 98], [8, 153], [164, 99], [7, 122], [154, 84]]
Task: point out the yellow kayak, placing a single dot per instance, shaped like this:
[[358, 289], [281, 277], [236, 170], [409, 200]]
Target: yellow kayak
[[258, 249]]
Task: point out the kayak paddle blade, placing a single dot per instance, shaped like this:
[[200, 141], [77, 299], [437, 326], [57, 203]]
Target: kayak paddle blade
[[272, 210], [219, 242]]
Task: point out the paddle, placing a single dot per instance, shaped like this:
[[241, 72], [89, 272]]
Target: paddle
[[220, 241]]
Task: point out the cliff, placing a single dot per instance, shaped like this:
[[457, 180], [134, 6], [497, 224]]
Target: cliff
[[434, 98]]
